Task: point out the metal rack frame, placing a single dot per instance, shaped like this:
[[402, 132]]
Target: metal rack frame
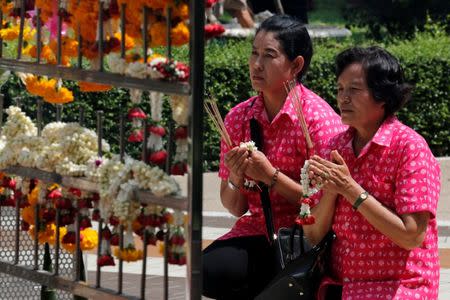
[[192, 204]]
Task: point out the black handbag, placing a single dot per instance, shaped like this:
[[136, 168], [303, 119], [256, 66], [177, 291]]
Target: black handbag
[[299, 266]]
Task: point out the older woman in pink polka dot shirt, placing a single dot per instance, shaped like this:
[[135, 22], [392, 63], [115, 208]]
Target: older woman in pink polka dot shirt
[[381, 188]]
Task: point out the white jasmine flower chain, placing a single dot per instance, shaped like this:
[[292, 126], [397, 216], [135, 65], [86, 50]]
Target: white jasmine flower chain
[[308, 191]]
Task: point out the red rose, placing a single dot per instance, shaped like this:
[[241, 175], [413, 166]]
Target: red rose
[[158, 157], [158, 130], [85, 223], [106, 233], [69, 238], [213, 30], [105, 260], [55, 194], [181, 132], [114, 240], [179, 169]]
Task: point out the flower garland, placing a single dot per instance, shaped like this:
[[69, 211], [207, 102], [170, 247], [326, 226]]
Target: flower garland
[[305, 217], [12, 33], [88, 87], [49, 89], [65, 148], [308, 191], [250, 184], [181, 152], [177, 242]]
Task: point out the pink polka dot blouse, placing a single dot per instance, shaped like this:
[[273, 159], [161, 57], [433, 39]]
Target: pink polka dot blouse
[[399, 170], [284, 146]]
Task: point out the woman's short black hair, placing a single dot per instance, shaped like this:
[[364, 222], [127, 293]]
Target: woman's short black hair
[[384, 75], [293, 38]]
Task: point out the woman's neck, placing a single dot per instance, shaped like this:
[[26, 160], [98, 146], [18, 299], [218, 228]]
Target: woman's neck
[[363, 135], [273, 103]]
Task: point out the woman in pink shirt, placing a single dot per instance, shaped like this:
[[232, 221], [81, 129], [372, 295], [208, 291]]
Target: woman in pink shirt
[[238, 265], [381, 188]]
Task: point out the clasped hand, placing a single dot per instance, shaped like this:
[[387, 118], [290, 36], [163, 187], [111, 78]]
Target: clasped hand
[[253, 164], [334, 175]]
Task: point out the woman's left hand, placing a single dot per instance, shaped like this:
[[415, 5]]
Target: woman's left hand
[[334, 175], [259, 167]]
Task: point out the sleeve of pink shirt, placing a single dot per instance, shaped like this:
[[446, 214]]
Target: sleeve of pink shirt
[[418, 179]]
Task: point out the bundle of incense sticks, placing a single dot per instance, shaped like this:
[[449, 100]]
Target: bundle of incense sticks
[[213, 112], [297, 103]]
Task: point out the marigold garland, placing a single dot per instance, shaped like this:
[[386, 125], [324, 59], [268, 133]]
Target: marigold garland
[[128, 254], [46, 8], [93, 87], [88, 240], [47, 89], [6, 7], [12, 33]]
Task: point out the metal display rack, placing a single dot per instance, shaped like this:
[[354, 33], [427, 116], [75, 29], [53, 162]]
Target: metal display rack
[[192, 203]]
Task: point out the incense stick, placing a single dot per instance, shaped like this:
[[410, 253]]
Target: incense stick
[[213, 112], [297, 103]]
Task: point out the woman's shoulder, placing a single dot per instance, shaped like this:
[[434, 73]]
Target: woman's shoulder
[[405, 136], [410, 145]]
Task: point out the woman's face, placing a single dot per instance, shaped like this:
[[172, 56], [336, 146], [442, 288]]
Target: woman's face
[[355, 101], [269, 66]]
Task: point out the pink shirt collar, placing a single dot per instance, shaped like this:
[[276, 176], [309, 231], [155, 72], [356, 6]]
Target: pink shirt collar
[[260, 113]]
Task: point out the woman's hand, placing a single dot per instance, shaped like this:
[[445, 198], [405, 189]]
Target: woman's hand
[[236, 160], [259, 167], [335, 175]]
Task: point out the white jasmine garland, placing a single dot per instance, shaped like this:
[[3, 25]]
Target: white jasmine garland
[[137, 69], [250, 145], [18, 124], [156, 104], [155, 142], [308, 191], [135, 96], [181, 152], [117, 64], [92, 173], [180, 109], [125, 206]]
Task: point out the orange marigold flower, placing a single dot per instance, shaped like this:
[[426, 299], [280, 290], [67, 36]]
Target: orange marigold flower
[[93, 87], [28, 214], [180, 34], [128, 254]]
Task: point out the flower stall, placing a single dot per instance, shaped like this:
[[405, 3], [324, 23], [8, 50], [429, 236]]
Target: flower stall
[[63, 191]]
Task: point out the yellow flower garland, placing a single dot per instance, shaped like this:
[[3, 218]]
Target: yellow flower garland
[[46, 9], [88, 240], [12, 33], [47, 89], [128, 254], [93, 87]]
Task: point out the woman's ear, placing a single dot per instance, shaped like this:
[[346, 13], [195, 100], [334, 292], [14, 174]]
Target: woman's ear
[[297, 65]]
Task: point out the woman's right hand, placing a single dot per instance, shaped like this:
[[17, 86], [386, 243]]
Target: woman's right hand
[[236, 160]]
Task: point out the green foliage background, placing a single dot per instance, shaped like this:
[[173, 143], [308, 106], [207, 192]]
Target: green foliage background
[[425, 58]]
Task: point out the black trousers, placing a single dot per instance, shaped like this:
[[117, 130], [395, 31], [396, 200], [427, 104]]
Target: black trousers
[[237, 268]]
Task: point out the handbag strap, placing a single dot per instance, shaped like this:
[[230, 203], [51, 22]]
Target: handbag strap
[[257, 137]]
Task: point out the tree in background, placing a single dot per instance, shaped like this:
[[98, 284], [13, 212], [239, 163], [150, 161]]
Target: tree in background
[[395, 17]]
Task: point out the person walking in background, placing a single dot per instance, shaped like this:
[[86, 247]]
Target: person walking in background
[[239, 9]]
